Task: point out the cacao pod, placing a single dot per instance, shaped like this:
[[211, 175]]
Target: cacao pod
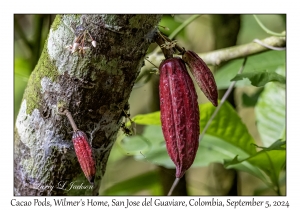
[[84, 155], [204, 77], [179, 113]]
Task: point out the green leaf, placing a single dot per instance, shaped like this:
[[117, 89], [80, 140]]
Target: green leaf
[[134, 144], [270, 160], [269, 60], [270, 113], [211, 150], [260, 78], [115, 154], [227, 125], [277, 145], [151, 147], [228, 137], [148, 119], [133, 185], [225, 138], [250, 101]]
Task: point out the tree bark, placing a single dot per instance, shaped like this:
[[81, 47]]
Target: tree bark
[[94, 87]]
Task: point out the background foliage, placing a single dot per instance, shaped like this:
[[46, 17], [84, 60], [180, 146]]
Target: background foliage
[[248, 135]]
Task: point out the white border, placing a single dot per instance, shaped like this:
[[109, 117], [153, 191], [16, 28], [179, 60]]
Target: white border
[[167, 7]]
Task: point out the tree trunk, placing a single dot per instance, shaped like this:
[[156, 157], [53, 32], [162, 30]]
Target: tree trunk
[[94, 87]]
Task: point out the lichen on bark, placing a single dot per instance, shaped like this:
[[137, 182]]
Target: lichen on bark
[[94, 88]]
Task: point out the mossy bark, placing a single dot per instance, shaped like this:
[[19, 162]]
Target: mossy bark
[[94, 87]]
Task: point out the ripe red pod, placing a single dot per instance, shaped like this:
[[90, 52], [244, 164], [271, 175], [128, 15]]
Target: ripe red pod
[[179, 113], [84, 155], [204, 77]]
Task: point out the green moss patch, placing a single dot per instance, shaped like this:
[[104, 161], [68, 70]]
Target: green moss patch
[[56, 22], [44, 68]]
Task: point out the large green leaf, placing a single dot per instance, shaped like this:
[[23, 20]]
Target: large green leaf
[[148, 119], [227, 125], [270, 113], [270, 160], [150, 146], [269, 61], [260, 78], [277, 145], [227, 137], [212, 149]]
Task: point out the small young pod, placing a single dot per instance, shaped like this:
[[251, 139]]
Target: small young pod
[[84, 155], [204, 77], [179, 113]]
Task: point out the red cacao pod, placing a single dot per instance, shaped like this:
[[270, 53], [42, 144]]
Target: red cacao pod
[[204, 77], [84, 155], [179, 113]]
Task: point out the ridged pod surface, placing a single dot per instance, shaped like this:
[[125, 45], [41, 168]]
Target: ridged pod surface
[[84, 155], [179, 113], [203, 76]]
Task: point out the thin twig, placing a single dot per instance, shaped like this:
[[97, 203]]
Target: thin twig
[[151, 63], [268, 31], [183, 25]]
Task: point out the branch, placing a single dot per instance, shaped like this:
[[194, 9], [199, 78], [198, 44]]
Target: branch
[[219, 56]]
